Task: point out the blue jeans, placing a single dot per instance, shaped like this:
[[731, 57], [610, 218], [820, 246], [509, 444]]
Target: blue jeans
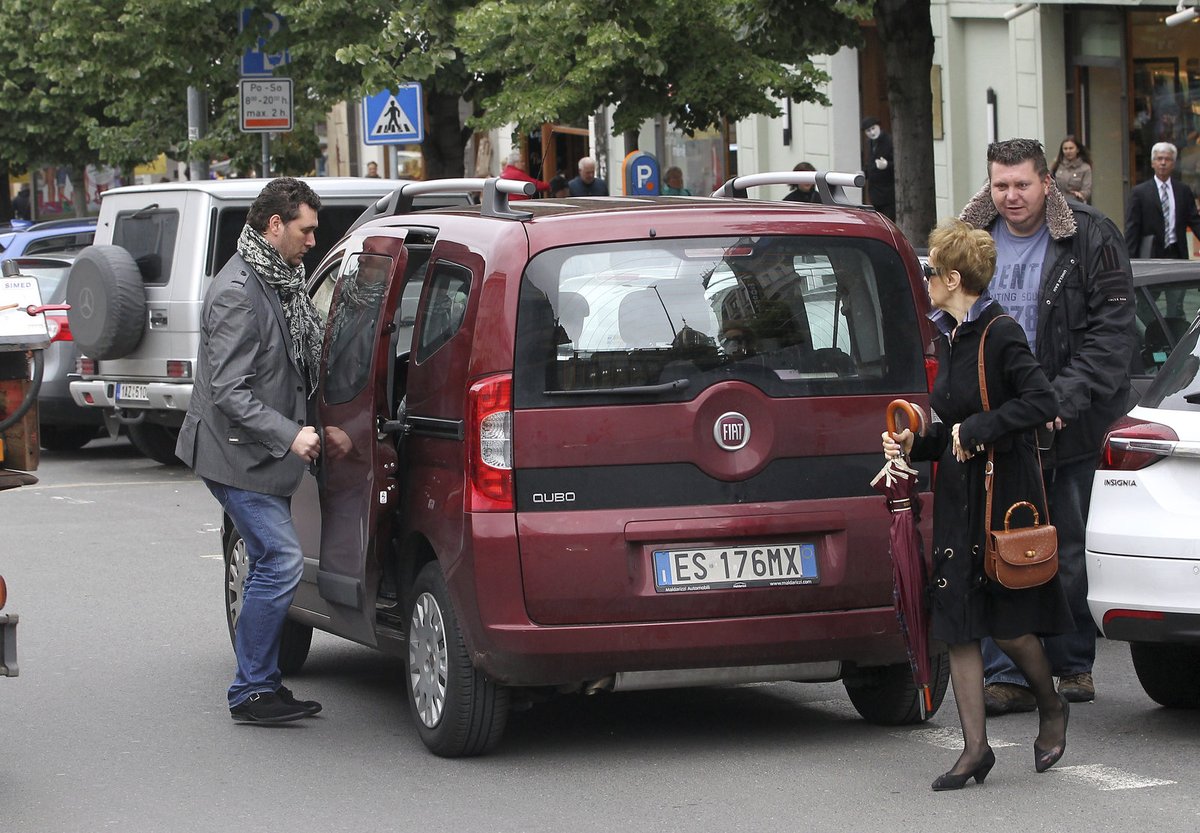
[[274, 566], [1069, 490]]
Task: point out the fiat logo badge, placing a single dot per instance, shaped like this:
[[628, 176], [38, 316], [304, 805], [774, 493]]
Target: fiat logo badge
[[731, 431]]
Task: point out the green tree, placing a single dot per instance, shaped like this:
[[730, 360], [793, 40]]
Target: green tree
[[350, 49], [693, 61], [105, 82]]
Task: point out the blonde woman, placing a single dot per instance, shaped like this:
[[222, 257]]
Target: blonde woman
[[965, 605]]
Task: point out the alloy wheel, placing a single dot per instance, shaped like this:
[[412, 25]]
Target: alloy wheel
[[235, 582], [427, 659]]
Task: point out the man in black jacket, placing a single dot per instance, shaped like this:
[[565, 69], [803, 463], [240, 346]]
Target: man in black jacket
[[1063, 272]]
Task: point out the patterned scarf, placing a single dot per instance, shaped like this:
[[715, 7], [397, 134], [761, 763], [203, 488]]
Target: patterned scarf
[[303, 322]]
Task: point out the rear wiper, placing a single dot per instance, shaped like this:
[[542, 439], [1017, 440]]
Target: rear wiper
[[143, 213], [1192, 398], [630, 390]]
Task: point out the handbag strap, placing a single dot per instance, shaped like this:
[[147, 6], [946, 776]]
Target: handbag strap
[[990, 471]]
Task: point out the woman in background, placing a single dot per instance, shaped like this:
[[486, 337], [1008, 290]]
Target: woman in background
[[1072, 170]]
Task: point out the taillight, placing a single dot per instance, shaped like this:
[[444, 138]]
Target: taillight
[[931, 369], [3, 593], [58, 327], [85, 367], [1117, 613], [489, 434], [178, 369], [1133, 444]]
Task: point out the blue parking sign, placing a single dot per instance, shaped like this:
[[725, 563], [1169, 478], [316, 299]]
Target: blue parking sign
[[394, 117], [258, 61]]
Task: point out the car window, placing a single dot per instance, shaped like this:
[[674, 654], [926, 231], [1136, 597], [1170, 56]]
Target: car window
[[354, 317], [1179, 378], [795, 316], [322, 286], [449, 285], [60, 243], [149, 236], [50, 275], [1163, 313]]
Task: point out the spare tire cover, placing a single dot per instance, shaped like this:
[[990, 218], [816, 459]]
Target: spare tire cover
[[108, 302]]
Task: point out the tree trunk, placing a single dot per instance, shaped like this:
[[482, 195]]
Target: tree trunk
[[907, 36], [79, 197], [445, 135], [6, 211]]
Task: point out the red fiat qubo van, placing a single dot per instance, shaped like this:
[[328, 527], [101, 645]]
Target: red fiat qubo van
[[609, 444]]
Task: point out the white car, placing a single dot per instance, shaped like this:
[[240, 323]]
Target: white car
[[1143, 539]]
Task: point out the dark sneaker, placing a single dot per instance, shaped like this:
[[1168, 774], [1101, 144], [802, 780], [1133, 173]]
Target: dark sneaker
[[310, 706], [1005, 698], [1078, 688], [266, 707]]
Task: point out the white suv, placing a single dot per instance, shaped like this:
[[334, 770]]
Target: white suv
[[136, 295], [1143, 565]]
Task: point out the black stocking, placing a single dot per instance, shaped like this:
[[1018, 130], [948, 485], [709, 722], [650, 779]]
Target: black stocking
[[966, 673], [1027, 652]]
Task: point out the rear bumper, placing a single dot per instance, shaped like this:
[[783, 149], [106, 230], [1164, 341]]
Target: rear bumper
[[170, 397], [1145, 599], [8, 644], [62, 410], [531, 655]]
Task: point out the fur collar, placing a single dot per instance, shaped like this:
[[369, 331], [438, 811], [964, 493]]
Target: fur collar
[[981, 212]]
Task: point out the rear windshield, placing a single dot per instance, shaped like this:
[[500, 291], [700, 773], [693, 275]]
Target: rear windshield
[[663, 319], [149, 237], [1177, 385]]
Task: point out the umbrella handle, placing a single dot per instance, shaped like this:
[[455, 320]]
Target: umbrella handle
[[916, 419]]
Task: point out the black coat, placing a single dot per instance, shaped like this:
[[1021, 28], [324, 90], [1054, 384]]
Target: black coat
[[965, 605], [1144, 218], [881, 184]]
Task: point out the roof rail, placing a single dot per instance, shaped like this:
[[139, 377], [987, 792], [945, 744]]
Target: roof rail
[[831, 185], [494, 202]]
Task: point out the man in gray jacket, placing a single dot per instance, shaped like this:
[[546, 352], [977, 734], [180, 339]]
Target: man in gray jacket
[[248, 433]]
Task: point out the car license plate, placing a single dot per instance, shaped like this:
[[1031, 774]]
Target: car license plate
[[774, 565], [132, 393]]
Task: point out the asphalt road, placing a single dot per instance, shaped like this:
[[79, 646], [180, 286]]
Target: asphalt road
[[118, 719]]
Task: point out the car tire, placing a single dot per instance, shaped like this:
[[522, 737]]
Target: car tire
[[156, 442], [1169, 673], [66, 437], [108, 302], [296, 638], [886, 696], [457, 710]]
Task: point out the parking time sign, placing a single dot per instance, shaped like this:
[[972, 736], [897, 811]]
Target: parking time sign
[[266, 105]]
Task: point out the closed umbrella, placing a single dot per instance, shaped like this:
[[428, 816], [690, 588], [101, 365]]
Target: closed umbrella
[[897, 481]]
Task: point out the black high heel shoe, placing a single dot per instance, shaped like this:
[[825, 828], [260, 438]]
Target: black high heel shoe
[[1043, 759], [950, 781]]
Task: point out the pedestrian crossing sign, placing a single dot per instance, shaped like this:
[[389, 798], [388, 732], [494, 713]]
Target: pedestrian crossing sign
[[394, 117]]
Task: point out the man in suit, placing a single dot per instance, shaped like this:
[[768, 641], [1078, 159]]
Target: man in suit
[[248, 432], [1161, 210]]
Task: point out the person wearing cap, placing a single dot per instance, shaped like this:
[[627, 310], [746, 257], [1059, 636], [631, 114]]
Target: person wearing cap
[[879, 167]]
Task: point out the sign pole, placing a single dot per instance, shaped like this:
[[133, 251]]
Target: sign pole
[[266, 154]]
